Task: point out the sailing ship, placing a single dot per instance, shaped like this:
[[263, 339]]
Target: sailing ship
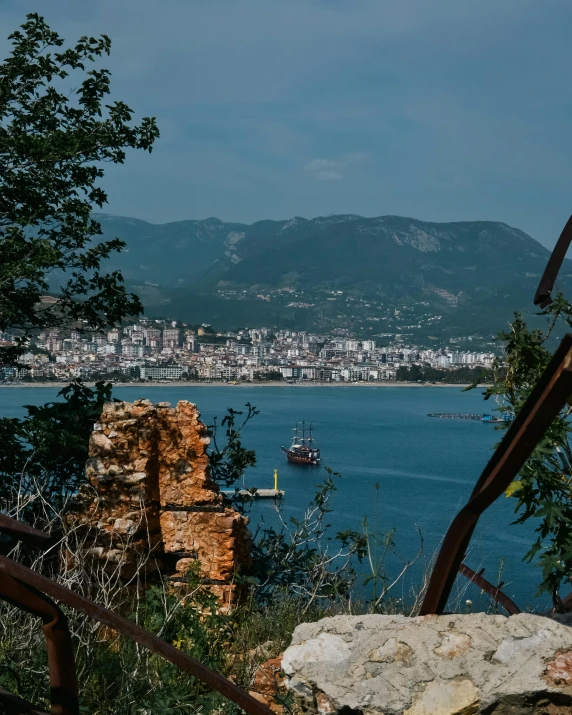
[[302, 450]]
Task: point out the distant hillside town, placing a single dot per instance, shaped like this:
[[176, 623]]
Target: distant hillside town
[[155, 350]]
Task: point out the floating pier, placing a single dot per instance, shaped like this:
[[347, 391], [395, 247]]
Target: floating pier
[[467, 416], [455, 416], [259, 493]]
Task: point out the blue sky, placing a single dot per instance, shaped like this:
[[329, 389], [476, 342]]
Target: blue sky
[[443, 110]]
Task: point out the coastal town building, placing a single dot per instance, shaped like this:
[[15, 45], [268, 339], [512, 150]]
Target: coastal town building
[[155, 350]]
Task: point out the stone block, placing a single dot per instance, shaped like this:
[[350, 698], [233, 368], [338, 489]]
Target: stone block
[[433, 665]]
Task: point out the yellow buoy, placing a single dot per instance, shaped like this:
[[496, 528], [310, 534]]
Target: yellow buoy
[[276, 480]]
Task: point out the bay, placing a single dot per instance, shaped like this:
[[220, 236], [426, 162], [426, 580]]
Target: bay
[[425, 468]]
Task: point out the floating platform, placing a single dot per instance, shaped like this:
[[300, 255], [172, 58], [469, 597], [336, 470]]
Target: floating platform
[[468, 416], [258, 494], [455, 416]]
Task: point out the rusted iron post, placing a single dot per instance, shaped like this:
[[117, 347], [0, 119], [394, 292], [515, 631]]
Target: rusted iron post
[[494, 591], [61, 664], [541, 408], [542, 297]]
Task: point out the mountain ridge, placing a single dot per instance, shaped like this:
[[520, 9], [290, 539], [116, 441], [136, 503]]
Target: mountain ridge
[[302, 267]]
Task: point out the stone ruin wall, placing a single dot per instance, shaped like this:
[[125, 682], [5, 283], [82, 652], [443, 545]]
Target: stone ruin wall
[[149, 498]]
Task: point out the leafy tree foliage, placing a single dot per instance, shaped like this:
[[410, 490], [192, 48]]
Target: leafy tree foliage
[[55, 135], [274, 375], [230, 460], [426, 373], [543, 489], [45, 452]]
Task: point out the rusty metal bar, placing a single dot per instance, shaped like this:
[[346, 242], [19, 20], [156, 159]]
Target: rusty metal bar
[[61, 664], [131, 630], [11, 704], [23, 532], [540, 409], [542, 297], [493, 591]]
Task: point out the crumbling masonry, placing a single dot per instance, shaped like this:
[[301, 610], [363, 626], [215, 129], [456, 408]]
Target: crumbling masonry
[[150, 499]]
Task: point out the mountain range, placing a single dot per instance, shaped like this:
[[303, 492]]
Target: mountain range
[[373, 276]]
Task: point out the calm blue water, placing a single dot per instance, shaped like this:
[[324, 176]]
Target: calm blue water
[[425, 468]]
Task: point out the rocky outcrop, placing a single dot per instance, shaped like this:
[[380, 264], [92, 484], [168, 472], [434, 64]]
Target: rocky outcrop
[[432, 665], [268, 685], [150, 503]]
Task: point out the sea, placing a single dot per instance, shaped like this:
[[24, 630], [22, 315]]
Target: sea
[[399, 470]]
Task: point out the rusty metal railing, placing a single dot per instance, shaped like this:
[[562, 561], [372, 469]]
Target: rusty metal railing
[[543, 294], [537, 414], [36, 594], [494, 591]]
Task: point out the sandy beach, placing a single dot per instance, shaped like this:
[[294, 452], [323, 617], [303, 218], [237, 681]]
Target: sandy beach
[[287, 385]]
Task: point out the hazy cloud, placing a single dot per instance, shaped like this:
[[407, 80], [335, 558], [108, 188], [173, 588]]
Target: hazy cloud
[[329, 170], [325, 170], [252, 95]]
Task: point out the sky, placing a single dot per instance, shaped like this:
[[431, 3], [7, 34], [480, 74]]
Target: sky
[[441, 110]]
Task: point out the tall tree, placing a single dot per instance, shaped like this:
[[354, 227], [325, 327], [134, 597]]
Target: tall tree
[[543, 488], [56, 132]]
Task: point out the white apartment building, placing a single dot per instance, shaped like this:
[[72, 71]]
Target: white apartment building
[[161, 372], [171, 338]]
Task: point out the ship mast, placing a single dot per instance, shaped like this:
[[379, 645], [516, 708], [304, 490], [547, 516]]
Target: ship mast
[[295, 438]]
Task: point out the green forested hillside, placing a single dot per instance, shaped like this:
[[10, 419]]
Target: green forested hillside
[[385, 274]]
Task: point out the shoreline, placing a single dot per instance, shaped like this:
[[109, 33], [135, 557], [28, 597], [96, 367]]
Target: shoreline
[[188, 383]]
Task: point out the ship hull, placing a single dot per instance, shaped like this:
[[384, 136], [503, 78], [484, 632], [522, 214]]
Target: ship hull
[[301, 458]]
